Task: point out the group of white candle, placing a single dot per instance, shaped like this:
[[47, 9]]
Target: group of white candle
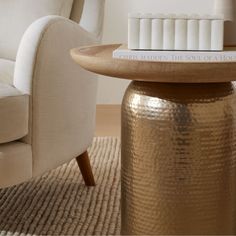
[[175, 32]]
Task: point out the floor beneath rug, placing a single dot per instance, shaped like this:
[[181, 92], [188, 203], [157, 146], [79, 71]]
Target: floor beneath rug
[[60, 204]]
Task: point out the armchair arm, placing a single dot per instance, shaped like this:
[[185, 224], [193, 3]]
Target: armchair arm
[[63, 95], [34, 40]]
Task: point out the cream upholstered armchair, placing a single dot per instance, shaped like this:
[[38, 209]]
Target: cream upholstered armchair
[[47, 102]]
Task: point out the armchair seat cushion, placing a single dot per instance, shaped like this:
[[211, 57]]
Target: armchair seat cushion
[[14, 110], [6, 71]]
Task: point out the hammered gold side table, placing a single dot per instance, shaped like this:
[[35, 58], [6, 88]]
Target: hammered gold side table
[[178, 144]]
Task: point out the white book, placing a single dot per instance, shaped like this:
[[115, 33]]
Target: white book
[[228, 55]]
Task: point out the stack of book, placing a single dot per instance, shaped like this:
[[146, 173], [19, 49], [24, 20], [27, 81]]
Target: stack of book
[[227, 55]]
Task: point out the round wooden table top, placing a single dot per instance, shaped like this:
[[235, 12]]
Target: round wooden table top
[[98, 59]]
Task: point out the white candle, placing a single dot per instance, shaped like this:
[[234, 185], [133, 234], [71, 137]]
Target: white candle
[[181, 33], [157, 32], [169, 33], [145, 31], [205, 34], [133, 31], [217, 34], [193, 34]]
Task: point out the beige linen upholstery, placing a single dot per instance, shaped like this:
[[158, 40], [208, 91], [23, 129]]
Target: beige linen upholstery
[[77, 10], [57, 96], [14, 110], [89, 14], [15, 163], [6, 71], [17, 15], [92, 17], [63, 94]]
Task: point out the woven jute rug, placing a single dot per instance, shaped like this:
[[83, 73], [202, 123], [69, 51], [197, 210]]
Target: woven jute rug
[[59, 203]]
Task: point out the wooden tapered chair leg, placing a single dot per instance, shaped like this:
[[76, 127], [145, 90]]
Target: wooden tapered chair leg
[[85, 168]]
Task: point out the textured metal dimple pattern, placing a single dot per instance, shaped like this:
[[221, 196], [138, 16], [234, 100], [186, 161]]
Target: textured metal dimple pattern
[[179, 159]]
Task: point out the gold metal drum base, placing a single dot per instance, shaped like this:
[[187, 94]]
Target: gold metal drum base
[[179, 159]]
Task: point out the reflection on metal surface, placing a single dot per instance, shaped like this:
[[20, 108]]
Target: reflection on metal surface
[[179, 159]]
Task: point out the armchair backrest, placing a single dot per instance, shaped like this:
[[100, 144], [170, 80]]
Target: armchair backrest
[[17, 15], [77, 10], [89, 14]]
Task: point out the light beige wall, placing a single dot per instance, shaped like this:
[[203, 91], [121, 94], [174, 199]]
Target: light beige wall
[[115, 30]]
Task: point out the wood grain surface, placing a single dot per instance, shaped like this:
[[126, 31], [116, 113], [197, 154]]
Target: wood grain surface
[[98, 59]]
